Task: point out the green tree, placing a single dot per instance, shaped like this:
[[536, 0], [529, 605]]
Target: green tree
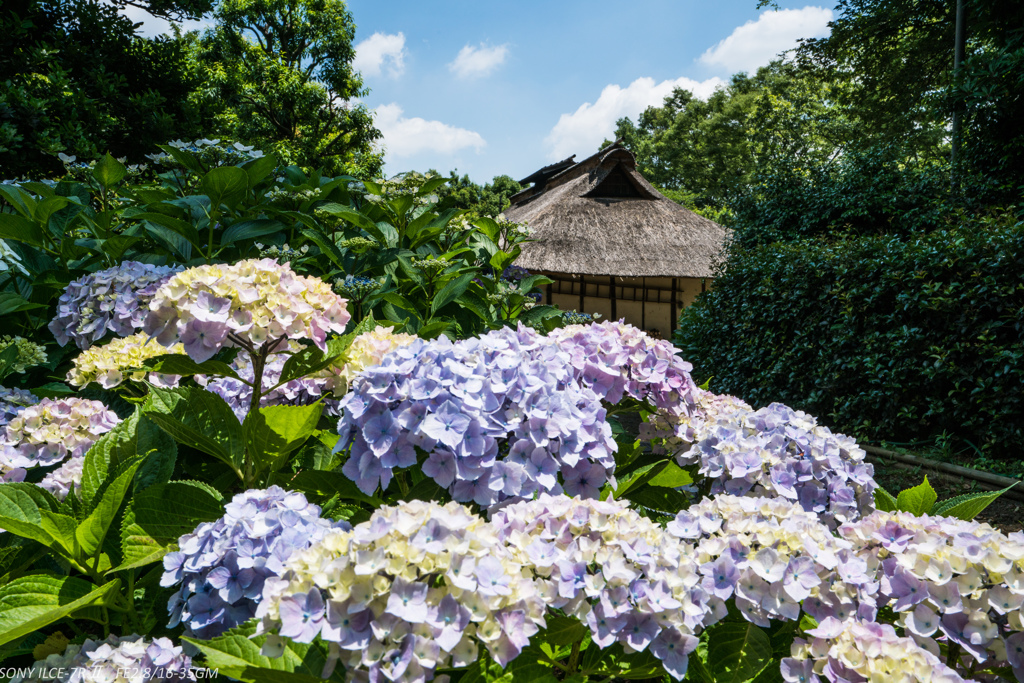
[[485, 200], [74, 78], [278, 73], [703, 152]]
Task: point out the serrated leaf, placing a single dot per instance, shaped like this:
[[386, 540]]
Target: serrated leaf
[[451, 291], [306, 362], [30, 603], [968, 506], [225, 185], [658, 498], [158, 516], [737, 651], [884, 501], [917, 500], [21, 505], [133, 437], [109, 171], [326, 484], [273, 432], [200, 419], [564, 631], [250, 229], [92, 531], [180, 364], [237, 654], [672, 476]]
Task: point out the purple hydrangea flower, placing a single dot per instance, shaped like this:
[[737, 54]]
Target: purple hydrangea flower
[[223, 566], [112, 300]]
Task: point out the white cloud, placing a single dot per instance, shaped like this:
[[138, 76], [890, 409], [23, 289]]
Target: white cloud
[[758, 42], [380, 52], [582, 131], [478, 61], [404, 137], [154, 26]]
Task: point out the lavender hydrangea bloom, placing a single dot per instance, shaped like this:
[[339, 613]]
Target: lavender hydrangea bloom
[[617, 572], [12, 401], [418, 587], [499, 416], [843, 651], [946, 577], [52, 430], [112, 300], [777, 451], [223, 565], [113, 660], [775, 559]]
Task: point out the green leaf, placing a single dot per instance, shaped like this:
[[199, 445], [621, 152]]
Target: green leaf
[[433, 329], [672, 476], [131, 438], [918, 500], [225, 185], [92, 531], [326, 484], [884, 501], [451, 291], [236, 654], [176, 225], [247, 230], [273, 432], [968, 506], [20, 229], [12, 303], [30, 603], [306, 362], [737, 651], [21, 508], [8, 359], [638, 477], [658, 498], [109, 171], [159, 515], [564, 631], [200, 419], [259, 168], [771, 673], [356, 218], [180, 364]]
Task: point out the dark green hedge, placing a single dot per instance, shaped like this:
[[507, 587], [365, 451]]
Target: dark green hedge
[[882, 337]]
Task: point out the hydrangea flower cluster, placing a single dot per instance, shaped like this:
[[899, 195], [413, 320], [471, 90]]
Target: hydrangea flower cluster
[[416, 588], [777, 451], [108, 365], [12, 400], [251, 302], [112, 300], [357, 288], [944, 576], [853, 650], [223, 565], [454, 401], [773, 557], [238, 394], [53, 430], [616, 571], [210, 152], [616, 359], [29, 353], [127, 659]]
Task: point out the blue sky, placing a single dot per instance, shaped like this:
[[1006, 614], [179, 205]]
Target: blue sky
[[490, 88]]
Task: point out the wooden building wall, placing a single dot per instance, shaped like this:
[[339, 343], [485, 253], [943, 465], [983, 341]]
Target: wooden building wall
[[652, 303]]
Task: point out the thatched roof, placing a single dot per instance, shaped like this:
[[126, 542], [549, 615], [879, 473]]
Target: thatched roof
[[600, 217]]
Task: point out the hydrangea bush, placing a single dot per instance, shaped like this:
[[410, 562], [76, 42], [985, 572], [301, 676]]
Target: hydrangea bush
[[487, 510]]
